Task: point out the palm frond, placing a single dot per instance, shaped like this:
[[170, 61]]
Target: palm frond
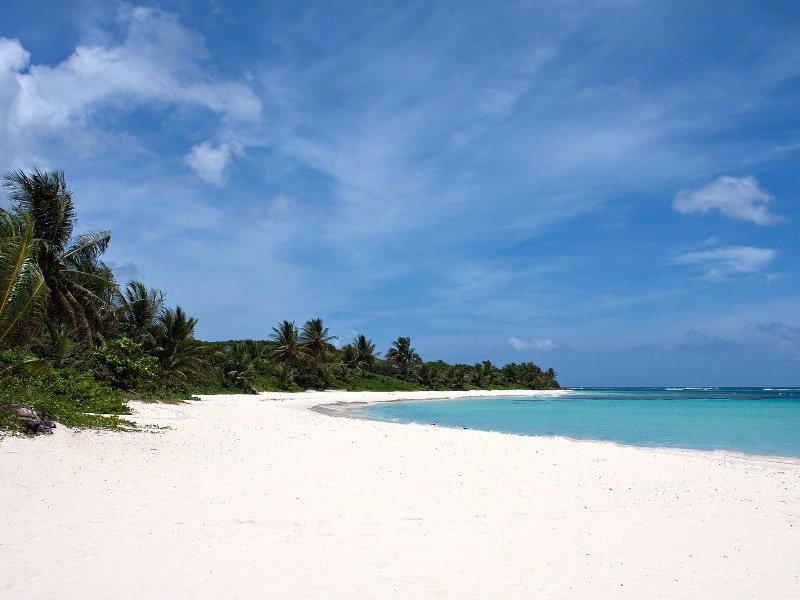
[[45, 198], [87, 248], [23, 291]]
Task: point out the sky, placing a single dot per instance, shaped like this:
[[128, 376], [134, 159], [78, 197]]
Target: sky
[[608, 188]]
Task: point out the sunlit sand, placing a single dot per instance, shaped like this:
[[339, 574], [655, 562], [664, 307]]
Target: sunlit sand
[[259, 497]]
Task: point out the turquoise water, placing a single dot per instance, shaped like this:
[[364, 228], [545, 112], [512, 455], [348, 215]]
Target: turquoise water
[[764, 421]]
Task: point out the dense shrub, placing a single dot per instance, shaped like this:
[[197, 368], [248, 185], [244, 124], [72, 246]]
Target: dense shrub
[[67, 396], [123, 364]]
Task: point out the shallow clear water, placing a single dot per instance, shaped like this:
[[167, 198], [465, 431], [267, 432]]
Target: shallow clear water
[[763, 421]]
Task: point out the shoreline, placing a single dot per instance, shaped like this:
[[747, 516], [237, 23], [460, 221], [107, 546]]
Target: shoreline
[[258, 496], [341, 407], [346, 405]]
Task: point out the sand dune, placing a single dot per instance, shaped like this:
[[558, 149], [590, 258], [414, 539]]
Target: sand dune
[[258, 497]]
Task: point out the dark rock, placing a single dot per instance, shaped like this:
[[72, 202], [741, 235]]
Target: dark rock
[[34, 422]]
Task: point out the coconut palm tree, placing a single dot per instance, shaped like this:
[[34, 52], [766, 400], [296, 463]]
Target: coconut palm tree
[[79, 284], [23, 290], [549, 378], [365, 352], [178, 353], [401, 353], [359, 354], [239, 365], [140, 310], [456, 376], [315, 341], [484, 374], [429, 375], [287, 340], [511, 372], [349, 357]]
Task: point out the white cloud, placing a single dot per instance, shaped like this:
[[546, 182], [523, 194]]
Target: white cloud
[[13, 57], [517, 343], [158, 63], [728, 260], [210, 163], [540, 344], [736, 197]]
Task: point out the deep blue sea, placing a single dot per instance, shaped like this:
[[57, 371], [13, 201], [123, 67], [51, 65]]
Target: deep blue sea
[[763, 421]]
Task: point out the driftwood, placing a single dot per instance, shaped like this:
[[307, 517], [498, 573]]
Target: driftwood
[[34, 422]]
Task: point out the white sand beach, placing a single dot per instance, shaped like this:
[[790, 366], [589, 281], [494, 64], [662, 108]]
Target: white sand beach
[[259, 497]]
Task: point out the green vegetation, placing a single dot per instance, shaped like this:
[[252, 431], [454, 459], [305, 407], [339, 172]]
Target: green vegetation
[[75, 345], [66, 395]]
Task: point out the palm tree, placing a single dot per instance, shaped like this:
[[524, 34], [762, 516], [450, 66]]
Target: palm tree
[[401, 353], [484, 374], [365, 351], [287, 340], [140, 310], [57, 344], [178, 353], [315, 341], [238, 365], [511, 372], [79, 284], [429, 375], [357, 357], [456, 376], [349, 356], [550, 381], [23, 290], [359, 354]]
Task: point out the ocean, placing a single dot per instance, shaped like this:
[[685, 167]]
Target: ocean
[[758, 421]]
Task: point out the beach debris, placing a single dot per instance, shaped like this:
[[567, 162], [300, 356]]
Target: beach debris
[[34, 422], [155, 426]]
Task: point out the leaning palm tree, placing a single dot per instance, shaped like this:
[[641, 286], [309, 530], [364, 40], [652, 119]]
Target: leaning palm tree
[[23, 291], [315, 341], [79, 284], [287, 344], [401, 353]]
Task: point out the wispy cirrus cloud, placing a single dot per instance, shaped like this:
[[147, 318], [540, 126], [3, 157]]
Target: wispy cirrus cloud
[[728, 260], [735, 197]]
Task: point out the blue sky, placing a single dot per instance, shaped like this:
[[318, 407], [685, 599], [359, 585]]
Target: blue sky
[[608, 188]]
